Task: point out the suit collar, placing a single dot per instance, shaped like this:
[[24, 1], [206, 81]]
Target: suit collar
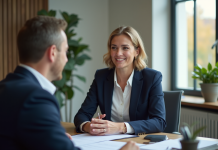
[[137, 83], [135, 94], [26, 73], [108, 93], [44, 82]]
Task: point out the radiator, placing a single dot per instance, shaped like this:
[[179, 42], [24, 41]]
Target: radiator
[[202, 118]]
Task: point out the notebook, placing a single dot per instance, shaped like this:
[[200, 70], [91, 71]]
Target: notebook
[[156, 138]]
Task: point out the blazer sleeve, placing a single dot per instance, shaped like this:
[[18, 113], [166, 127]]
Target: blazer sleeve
[[155, 122], [88, 107], [39, 125]]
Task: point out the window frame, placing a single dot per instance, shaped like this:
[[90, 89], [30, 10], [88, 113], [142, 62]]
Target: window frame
[[193, 92]]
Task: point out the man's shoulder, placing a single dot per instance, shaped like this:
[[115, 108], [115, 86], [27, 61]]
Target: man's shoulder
[[20, 87]]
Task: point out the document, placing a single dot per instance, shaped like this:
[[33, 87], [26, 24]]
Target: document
[[175, 144], [84, 139], [106, 145]]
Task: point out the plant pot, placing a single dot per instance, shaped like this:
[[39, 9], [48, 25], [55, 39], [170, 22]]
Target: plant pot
[[209, 91], [189, 145]]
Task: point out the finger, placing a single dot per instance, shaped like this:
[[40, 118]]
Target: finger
[[103, 133], [98, 126], [98, 121], [102, 116], [98, 131]]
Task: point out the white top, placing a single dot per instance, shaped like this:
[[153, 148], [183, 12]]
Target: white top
[[45, 83], [120, 103]]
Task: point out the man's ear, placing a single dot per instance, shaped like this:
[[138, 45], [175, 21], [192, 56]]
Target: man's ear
[[51, 53]]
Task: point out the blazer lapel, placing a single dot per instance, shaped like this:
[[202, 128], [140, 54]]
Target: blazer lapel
[[108, 93], [137, 83]]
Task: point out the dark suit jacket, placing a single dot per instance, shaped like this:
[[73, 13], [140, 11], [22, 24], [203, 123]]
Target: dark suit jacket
[[29, 115], [146, 110]]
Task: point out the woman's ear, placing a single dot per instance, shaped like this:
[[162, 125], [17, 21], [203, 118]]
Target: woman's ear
[[137, 52]]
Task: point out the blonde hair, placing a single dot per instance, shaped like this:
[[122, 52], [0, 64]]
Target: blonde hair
[[140, 61]]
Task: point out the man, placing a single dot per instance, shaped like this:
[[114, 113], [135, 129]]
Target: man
[[29, 112]]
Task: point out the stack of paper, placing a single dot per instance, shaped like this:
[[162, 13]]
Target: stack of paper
[[90, 142], [106, 145], [84, 139], [168, 144]]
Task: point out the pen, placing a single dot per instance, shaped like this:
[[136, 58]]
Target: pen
[[98, 116]]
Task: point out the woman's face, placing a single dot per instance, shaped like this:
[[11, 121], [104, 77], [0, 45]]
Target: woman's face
[[123, 52]]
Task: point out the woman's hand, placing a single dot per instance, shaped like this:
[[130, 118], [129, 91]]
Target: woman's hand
[[130, 146], [103, 127], [86, 127]]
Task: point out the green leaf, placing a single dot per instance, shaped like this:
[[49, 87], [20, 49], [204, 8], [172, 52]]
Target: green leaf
[[73, 20], [52, 13], [42, 12], [76, 87], [70, 92], [198, 67], [70, 64], [65, 16], [69, 35], [216, 64], [85, 57], [59, 98], [209, 66], [195, 77], [68, 74], [197, 132], [80, 78], [73, 43], [79, 61], [204, 70], [80, 39], [61, 82]]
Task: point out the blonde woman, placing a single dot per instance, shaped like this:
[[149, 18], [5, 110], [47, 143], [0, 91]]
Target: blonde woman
[[128, 93]]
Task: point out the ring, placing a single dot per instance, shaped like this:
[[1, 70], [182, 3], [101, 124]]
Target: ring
[[104, 130]]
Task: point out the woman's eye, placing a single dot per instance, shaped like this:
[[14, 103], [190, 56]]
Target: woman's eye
[[125, 48], [113, 48]]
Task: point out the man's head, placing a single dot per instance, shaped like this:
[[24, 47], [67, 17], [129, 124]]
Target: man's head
[[43, 38]]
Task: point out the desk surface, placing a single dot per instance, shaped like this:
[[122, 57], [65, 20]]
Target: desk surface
[[70, 128], [198, 102]]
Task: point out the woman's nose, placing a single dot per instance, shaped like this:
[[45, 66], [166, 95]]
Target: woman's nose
[[119, 52]]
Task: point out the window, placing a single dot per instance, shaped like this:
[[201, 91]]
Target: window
[[193, 32]]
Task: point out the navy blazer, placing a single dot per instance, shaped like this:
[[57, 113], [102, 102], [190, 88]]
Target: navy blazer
[[146, 110], [29, 115]]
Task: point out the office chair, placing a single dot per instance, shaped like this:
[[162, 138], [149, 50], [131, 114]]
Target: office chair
[[172, 106]]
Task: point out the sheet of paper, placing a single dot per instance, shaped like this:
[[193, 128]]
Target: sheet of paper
[[106, 145], [84, 139], [175, 144]]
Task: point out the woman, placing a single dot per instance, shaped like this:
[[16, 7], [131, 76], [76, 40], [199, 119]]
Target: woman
[[129, 94]]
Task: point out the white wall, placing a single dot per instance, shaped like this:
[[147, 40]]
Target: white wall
[[100, 17], [138, 14], [151, 18], [161, 49], [93, 28]]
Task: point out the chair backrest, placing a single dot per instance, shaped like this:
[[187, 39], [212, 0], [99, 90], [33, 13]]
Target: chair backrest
[[172, 106]]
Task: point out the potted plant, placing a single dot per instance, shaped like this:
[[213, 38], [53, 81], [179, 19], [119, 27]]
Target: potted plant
[[189, 141], [209, 77], [76, 57]]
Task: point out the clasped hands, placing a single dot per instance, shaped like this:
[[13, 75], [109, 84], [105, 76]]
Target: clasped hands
[[102, 127]]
